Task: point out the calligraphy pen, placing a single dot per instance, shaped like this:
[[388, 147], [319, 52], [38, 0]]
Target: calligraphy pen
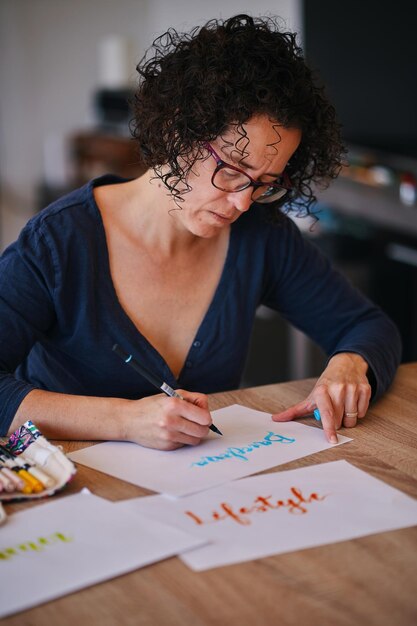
[[152, 378]]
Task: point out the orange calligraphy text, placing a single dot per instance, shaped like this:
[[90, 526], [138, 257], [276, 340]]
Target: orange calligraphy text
[[297, 504]]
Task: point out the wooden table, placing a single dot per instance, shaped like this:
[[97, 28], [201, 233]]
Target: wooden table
[[368, 581]]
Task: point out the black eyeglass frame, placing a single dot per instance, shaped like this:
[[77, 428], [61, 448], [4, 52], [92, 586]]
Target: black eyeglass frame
[[251, 182]]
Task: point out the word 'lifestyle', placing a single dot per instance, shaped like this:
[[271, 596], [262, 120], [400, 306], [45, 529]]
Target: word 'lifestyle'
[[297, 504], [240, 453]]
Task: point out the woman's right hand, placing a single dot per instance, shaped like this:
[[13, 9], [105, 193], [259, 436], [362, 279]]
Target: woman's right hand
[[167, 423]]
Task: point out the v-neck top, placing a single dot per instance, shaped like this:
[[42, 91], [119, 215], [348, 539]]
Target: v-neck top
[[60, 315]]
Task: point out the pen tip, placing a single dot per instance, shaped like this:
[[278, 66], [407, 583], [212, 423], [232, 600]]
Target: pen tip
[[216, 430]]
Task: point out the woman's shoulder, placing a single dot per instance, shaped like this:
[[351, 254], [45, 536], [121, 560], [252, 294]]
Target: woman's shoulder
[[75, 209], [67, 228], [71, 219]]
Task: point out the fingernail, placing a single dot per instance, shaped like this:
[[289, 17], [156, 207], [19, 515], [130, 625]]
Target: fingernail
[[333, 439]]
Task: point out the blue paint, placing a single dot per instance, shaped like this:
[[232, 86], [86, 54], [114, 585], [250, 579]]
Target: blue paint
[[317, 414], [240, 453]]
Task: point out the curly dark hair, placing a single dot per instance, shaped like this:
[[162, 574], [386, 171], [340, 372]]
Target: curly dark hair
[[195, 86]]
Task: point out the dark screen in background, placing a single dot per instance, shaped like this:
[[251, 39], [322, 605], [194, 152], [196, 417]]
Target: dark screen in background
[[366, 55]]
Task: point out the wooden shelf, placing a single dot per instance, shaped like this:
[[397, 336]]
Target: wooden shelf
[[95, 154]]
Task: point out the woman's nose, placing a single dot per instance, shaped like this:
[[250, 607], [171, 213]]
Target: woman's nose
[[242, 200]]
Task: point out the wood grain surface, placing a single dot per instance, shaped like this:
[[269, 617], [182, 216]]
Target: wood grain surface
[[370, 581]]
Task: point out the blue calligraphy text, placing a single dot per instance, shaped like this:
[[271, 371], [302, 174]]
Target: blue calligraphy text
[[241, 453]]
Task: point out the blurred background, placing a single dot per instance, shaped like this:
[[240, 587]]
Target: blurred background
[[67, 68]]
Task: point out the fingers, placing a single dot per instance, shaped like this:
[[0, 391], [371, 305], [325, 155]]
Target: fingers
[[306, 407], [350, 419], [193, 407], [198, 399], [166, 423], [339, 404], [301, 409], [364, 399], [183, 421], [356, 403], [330, 413], [172, 439], [350, 412]]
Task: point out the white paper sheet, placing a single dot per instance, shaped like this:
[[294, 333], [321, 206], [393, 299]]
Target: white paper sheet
[[251, 442], [281, 512], [62, 546]]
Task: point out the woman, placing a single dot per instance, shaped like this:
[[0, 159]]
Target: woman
[[173, 265]]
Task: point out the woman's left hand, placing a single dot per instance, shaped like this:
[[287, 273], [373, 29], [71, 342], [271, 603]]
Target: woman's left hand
[[341, 394]]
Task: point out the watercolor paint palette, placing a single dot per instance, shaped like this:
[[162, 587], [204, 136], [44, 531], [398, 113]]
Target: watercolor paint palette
[[31, 467]]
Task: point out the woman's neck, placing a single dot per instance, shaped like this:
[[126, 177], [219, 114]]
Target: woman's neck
[[144, 210]]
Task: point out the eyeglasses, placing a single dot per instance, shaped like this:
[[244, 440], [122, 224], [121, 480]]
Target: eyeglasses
[[229, 178]]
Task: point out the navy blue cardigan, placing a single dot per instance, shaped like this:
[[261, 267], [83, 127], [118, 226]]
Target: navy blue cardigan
[[60, 316]]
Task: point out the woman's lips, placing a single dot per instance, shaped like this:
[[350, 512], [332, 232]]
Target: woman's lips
[[221, 218]]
